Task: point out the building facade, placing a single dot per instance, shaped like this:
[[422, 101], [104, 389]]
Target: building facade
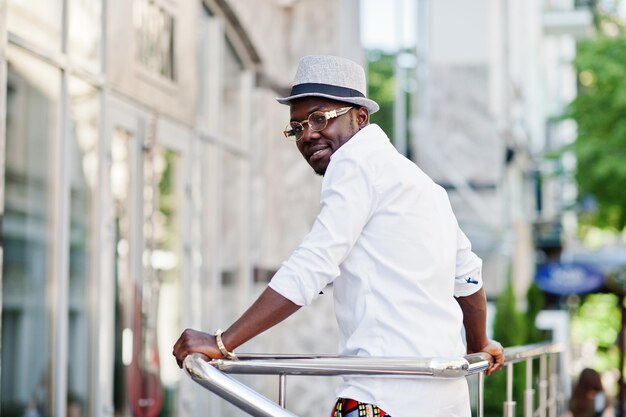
[[145, 188], [493, 78]]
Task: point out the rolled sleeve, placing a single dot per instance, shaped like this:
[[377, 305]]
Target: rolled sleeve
[[347, 201], [468, 276]]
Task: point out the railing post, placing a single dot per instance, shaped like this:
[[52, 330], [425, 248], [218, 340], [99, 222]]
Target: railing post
[[543, 386], [282, 390], [529, 393], [509, 404], [480, 406], [552, 393]]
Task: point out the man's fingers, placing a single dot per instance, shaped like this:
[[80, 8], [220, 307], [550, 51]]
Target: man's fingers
[[180, 357], [496, 365], [497, 353], [180, 350], [190, 341], [179, 343]]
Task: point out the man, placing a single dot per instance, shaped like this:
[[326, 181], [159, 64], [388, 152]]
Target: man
[[405, 278]]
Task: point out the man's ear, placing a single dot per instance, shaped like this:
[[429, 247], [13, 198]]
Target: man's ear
[[362, 117]]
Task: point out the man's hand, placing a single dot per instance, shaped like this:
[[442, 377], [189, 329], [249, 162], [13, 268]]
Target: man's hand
[[497, 353], [193, 341]]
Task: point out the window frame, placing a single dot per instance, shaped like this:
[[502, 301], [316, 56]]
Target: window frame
[[60, 157]]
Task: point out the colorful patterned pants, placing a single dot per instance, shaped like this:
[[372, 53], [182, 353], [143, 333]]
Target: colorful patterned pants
[[346, 407]]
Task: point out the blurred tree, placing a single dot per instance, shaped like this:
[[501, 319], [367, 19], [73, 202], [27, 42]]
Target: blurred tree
[[599, 110], [381, 84], [536, 301], [595, 326], [509, 324]]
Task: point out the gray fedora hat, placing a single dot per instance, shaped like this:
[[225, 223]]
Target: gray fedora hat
[[331, 77]]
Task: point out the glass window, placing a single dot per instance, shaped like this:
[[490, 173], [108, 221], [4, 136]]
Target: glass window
[[232, 95], [152, 373], [31, 128], [163, 276], [37, 21], [154, 38], [84, 32], [84, 110], [121, 188], [148, 309]]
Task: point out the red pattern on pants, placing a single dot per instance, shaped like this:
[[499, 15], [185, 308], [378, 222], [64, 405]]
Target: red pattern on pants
[[346, 407]]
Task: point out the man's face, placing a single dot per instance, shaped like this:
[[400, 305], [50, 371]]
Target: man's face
[[317, 147]]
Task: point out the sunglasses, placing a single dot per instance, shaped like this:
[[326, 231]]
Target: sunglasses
[[318, 120]]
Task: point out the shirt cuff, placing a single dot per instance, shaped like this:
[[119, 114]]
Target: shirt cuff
[[468, 285], [287, 285]]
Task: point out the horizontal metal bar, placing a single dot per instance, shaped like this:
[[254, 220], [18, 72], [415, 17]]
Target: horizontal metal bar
[[232, 390], [451, 367], [478, 362], [331, 365], [520, 353]]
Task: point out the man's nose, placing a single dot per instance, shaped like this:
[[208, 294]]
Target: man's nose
[[309, 134]]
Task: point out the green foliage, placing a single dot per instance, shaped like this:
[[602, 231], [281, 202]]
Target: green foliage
[[598, 321], [536, 301], [509, 325], [599, 110], [381, 88], [381, 74]]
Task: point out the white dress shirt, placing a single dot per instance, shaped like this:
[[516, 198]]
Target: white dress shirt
[[386, 237]]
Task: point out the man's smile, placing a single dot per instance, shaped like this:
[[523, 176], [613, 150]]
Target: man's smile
[[318, 152]]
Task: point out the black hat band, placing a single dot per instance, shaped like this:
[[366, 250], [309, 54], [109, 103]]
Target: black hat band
[[331, 90]]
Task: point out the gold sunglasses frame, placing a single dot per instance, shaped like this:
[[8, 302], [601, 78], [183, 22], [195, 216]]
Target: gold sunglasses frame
[[331, 114]]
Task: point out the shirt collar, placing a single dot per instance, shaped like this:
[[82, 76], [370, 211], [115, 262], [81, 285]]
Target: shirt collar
[[369, 133]]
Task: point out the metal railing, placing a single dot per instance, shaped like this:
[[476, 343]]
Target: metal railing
[[212, 375]]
